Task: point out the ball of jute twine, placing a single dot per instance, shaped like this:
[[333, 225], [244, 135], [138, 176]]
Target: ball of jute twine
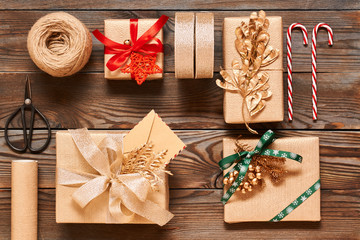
[[59, 44]]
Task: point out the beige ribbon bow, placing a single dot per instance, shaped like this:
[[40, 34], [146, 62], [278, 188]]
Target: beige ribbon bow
[[128, 190]]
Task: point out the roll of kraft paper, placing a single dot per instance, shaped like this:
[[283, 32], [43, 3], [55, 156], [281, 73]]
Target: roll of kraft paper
[[24, 199], [204, 45], [184, 44]]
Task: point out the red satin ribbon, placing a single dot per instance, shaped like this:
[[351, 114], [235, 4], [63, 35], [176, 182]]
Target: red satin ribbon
[[122, 52]]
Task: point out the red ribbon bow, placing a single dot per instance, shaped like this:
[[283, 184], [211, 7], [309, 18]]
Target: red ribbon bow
[[122, 52]]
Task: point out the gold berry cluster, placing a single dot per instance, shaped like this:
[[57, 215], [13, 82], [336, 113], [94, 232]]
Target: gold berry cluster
[[252, 178]]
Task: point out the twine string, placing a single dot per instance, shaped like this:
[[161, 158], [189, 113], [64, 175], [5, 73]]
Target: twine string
[[59, 44]]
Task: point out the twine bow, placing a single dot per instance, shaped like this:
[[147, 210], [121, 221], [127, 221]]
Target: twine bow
[[243, 159], [127, 190], [122, 51]]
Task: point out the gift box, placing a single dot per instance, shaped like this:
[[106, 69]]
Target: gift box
[[115, 198], [118, 30], [273, 110], [133, 48], [291, 199]]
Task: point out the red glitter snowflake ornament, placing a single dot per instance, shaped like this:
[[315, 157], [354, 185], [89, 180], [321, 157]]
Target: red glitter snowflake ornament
[[141, 66]]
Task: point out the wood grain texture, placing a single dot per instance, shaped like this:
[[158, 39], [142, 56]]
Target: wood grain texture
[[196, 166], [182, 5], [199, 215], [194, 107], [342, 57], [89, 100]]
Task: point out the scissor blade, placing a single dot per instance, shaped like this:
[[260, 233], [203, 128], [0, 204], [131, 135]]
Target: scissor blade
[[27, 88]]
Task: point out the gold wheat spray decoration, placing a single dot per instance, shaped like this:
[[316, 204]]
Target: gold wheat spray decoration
[[252, 45], [145, 161]]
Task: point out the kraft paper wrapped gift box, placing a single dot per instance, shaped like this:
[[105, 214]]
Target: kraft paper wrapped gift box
[[274, 109], [118, 30], [68, 156], [266, 203]]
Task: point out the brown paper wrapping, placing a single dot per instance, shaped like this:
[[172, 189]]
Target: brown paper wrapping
[[204, 49], [24, 199], [151, 128], [184, 45], [118, 30], [264, 204], [274, 109]]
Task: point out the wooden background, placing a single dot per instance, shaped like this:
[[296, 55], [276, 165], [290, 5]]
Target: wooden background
[[194, 109]]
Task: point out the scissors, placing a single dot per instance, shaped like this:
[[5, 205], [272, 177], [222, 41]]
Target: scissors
[[27, 139]]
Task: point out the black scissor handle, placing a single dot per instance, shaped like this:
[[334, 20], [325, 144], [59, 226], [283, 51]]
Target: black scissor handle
[[29, 141], [12, 116]]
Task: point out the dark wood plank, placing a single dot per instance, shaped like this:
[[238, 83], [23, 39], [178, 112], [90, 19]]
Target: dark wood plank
[[182, 5], [196, 166], [88, 100], [199, 215], [342, 57]]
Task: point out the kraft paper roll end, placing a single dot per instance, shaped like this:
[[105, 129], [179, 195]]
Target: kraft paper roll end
[[24, 199]]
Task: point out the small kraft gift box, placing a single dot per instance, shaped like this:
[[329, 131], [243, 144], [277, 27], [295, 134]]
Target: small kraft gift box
[[252, 69], [109, 177], [271, 180], [133, 48]]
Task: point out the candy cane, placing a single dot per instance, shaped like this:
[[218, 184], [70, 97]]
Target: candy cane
[[313, 69], [289, 63]]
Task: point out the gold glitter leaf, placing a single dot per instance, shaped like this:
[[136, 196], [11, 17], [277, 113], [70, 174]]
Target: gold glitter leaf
[[270, 56]]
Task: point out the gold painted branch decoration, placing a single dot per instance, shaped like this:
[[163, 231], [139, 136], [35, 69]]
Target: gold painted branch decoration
[[252, 44], [145, 161]]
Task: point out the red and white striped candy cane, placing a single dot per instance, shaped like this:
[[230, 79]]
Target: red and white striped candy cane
[[313, 69], [289, 63]]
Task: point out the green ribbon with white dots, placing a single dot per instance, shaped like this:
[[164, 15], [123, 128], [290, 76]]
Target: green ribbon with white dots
[[297, 202], [243, 159]]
